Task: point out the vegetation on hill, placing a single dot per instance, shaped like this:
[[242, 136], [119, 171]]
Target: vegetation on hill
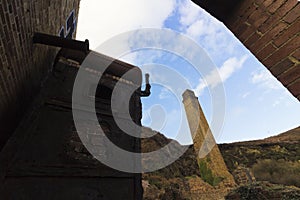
[[275, 159], [264, 190], [275, 162], [278, 171]]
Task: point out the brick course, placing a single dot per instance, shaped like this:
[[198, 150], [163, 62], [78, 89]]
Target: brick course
[[23, 64], [270, 30]]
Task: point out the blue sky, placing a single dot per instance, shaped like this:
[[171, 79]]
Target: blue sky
[[256, 104]]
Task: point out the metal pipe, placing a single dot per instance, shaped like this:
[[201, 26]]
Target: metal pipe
[[147, 91], [57, 41]]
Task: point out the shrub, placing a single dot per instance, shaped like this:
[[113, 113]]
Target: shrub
[[277, 171], [156, 180]]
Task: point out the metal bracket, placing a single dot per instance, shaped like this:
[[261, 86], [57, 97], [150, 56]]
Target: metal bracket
[[147, 91]]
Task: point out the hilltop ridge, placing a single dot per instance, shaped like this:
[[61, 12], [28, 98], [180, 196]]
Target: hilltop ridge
[[181, 180]]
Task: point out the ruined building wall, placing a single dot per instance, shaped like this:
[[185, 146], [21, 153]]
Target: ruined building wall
[[205, 146], [23, 64]]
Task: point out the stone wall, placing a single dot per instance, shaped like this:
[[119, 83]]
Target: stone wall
[[243, 175], [23, 64]]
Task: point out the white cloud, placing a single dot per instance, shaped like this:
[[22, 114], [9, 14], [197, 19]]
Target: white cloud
[[200, 25], [246, 95], [189, 12], [100, 20], [230, 66], [205, 26], [284, 99], [270, 89], [164, 94], [218, 76], [196, 29], [265, 79]]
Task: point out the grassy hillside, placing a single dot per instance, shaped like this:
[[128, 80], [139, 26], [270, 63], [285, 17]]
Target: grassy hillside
[[275, 159]]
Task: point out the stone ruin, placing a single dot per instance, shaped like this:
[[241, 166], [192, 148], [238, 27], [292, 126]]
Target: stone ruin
[[212, 167]]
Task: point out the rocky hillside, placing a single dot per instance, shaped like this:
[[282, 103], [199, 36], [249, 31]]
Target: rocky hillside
[[275, 159], [264, 190], [179, 167], [181, 179], [169, 182]]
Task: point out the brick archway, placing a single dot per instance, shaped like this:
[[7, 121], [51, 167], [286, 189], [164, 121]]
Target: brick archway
[[269, 29]]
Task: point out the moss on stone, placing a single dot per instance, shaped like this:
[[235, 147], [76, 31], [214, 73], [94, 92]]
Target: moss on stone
[[207, 175]]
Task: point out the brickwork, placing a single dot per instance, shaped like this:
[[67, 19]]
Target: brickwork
[[23, 64], [205, 145], [49, 146], [270, 30]]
